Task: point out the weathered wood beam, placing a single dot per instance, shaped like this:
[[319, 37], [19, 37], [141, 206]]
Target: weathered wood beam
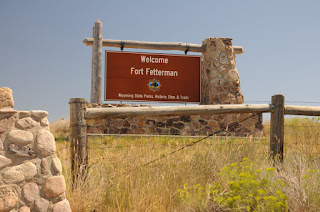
[[277, 128], [78, 138], [96, 68], [92, 113], [301, 110], [156, 45]]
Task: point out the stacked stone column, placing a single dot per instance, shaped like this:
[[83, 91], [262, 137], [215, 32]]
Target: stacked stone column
[[220, 84], [30, 172]]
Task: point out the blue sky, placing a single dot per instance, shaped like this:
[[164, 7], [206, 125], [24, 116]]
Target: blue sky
[[45, 63]]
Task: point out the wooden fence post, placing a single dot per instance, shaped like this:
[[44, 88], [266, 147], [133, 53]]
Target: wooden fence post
[[78, 138], [96, 67], [277, 128]]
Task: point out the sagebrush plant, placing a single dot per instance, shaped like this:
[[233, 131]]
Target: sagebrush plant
[[240, 187], [196, 196]]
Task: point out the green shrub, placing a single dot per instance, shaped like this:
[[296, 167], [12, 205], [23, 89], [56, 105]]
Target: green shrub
[[240, 187]]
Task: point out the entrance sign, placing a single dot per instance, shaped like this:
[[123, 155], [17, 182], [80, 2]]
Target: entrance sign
[[133, 76]]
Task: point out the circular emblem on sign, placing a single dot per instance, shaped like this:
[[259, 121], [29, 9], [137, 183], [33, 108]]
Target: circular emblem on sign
[[154, 85]]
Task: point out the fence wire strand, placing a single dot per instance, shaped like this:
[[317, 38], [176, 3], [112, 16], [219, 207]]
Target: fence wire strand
[[190, 144], [288, 146], [195, 142]]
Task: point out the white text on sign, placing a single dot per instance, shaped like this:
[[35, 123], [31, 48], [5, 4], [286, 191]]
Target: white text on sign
[[153, 72], [149, 59]]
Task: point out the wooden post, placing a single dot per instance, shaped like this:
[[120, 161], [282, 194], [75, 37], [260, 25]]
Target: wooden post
[[96, 74], [277, 128], [78, 138]]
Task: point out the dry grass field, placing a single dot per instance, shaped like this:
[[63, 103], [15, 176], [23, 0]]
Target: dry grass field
[[217, 174]]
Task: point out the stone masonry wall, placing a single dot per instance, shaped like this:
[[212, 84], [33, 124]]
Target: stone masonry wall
[[220, 84], [30, 172], [195, 125]]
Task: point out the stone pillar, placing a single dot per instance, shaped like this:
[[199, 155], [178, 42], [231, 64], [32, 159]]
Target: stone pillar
[[30, 172], [220, 82]]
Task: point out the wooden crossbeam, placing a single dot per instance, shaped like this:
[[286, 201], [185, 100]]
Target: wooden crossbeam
[[92, 113], [156, 45]]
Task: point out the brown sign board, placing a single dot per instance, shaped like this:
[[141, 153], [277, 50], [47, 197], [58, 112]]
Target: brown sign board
[[132, 76]]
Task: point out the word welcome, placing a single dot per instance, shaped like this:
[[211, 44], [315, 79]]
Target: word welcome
[[154, 72], [149, 59]]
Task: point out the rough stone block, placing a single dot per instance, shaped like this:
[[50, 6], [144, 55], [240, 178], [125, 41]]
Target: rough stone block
[[6, 124], [24, 114], [162, 131], [44, 166], [204, 131], [39, 113], [206, 116], [137, 130], [17, 174], [160, 124], [99, 121], [62, 206], [8, 198], [178, 125], [1, 145], [213, 125], [20, 137], [41, 205], [28, 169], [134, 120], [4, 162], [188, 130], [54, 186], [24, 209], [169, 122], [90, 122], [56, 164], [44, 122], [13, 176], [21, 151], [223, 58], [30, 192], [174, 131], [6, 99], [203, 122], [26, 123], [150, 122], [45, 143], [150, 131], [232, 75], [125, 130], [114, 130], [120, 123], [98, 129], [185, 118]]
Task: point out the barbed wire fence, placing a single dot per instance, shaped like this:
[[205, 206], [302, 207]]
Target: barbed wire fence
[[291, 148]]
